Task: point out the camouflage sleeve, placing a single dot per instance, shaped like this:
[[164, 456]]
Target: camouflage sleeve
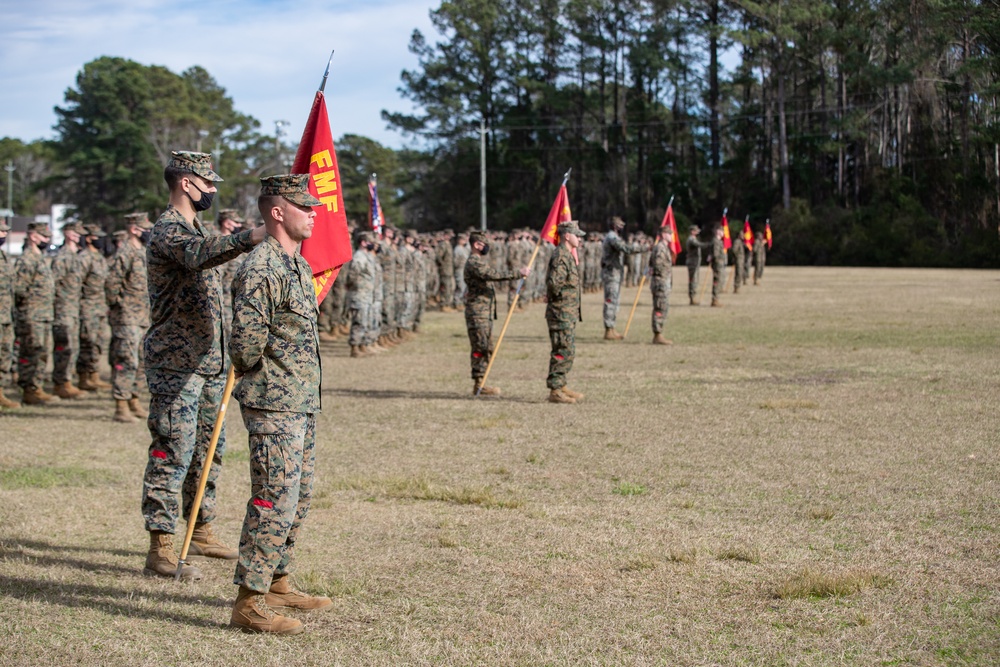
[[557, 276], [199, 253], [114, 283], [255, 293], [22, 278], [484, 271]]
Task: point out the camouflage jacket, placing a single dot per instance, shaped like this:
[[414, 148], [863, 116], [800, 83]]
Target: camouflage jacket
[[399, 266], [445, 257], [660, 262], [34, 288], [93, 301], [361, 279], [718, 254], [614, 250], [739, 251], [387, 258], [6, 288], [460, 258], [694, 246], [759, 249], [480, 298], [275, 341], [67, 273], [410, 269], [126, 289], [562, 287], [185, 294]]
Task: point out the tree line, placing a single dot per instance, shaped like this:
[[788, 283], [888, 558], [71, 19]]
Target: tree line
[[866, 130]]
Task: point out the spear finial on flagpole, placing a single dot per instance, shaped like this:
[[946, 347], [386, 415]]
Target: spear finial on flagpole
[[724, 211], [671, 202], [322, 85], [566, 176]]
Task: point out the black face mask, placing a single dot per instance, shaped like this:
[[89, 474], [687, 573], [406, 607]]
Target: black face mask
[[43, 245], [205, 202], [145, 236], [485, 250], [3, 240]]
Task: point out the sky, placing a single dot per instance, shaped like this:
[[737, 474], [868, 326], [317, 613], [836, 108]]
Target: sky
[[269, 55]]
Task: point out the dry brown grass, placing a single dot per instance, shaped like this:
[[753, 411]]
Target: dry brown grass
[[830, 435]]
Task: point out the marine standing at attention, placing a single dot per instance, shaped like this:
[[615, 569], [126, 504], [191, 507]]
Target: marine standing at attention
[[562, 287]]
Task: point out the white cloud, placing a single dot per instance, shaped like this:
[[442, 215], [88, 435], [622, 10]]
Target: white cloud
[[269, 55]]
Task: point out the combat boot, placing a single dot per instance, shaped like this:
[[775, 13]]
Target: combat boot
[[95, 379], [447, 309], [282, 595], [611, 334], [755, 280], [66, 390], [35, 396], [327, 337], [716, 303], [359, 351], [558, 396], [85, 383], [695, 302], [205, 543], [122, 413], [344, 329], [658, 339], [7, 403], [251, 614], [484, 390], [161, 561], [136, 409], [575, 395]]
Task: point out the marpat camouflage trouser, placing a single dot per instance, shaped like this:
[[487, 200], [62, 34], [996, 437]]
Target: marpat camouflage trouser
[[374, 327], [447, 291], [561, 359], [91, 345], [6, 353], [388, 320], [660, 287], [480, 339], [718, 281], [360, 321], [612, 293], [34, 341], [182, 413], [282, 460], [693, 282], [66, 347], [126, 361]]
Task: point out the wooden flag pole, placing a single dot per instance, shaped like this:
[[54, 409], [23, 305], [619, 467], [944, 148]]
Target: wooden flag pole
[[220, 420], [642, 283], [513, 305]]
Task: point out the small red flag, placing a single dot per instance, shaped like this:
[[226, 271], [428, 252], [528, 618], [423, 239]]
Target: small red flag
[[747, 233], [668, 221], [558, 213], [375, 217], [767, 234], [329, 247], [727, 240]]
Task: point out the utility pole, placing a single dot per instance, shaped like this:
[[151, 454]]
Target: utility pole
[[10, 190], [482, 174], [216, 158]]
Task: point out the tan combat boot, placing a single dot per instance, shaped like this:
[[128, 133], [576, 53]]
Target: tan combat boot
[[575, 395], [486, 390], [85, 383], [716, 303], [122, 413], [66, 390], [7, 403], [205, 543], [251, 614], [358, 351], [658, 339], [161, 561], [136, 409], [558, 396], [35, 396], [282, 595], [95, 379], [695, 302], [611, 334]]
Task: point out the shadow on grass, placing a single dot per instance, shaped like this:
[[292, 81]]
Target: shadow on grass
[[12, 544], [431, 395], [111, 600]]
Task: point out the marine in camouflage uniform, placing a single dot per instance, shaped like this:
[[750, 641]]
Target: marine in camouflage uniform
[[6, 318], [718, 260], [759, 257], [275, 349], [34, 293], [93, 312], [229, 221], [661, 261], [481, 307], [460, 256], [185, 353], [128, 306], [613, 256], [562, 287], [444, 256], [386, 257], [67, 273], [739, 264], [361, 295], [693, 260]]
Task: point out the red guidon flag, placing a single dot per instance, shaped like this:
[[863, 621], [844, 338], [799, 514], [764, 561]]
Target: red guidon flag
[[329, 247], [375, 217], [558, 213], [767, 234], [747, 233], [727, 240], [668, 221]]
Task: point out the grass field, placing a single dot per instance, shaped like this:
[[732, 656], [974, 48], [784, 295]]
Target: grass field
[[808, 476]]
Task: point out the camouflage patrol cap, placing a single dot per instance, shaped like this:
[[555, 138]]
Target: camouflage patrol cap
[[366, 237], [293, 187], [199, 164], [4, 227], [695, 229], [249, 224], [40, 228], [140, 220], [72, 227], [229, 214], [616, 223], [94, 229], [478, 235], [570, 227], [412, 234]]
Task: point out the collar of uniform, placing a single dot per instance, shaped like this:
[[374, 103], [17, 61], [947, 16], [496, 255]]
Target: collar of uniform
[[174, 215]]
